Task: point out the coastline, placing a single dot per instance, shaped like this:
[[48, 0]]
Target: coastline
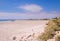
[[21, 27]]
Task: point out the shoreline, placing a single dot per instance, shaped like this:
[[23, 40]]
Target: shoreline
[[16, 28]]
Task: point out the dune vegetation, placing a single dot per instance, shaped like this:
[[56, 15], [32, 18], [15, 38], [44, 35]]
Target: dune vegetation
[[50, 31]]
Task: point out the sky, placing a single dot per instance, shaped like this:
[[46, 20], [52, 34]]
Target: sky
[[29, 9]]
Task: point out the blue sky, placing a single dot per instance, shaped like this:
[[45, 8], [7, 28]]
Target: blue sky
[[27, 9]]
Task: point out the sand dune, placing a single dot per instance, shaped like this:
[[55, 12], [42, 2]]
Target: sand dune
[[21, 29]]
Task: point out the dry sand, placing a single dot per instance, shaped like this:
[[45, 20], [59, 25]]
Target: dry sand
[[21, 29]]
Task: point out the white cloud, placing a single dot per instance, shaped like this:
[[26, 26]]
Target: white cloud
[[31, 8], [27, 15], [33, 12]]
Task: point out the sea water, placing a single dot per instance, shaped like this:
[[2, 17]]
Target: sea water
[[5, 20]]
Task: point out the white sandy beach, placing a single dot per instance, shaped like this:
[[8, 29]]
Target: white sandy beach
[[21, 29]]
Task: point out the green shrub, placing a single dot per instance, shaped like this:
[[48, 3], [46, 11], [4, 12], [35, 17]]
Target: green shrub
[[53, 26]]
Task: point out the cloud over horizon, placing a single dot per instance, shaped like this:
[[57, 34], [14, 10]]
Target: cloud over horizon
[[33, 12], [28, 15]]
